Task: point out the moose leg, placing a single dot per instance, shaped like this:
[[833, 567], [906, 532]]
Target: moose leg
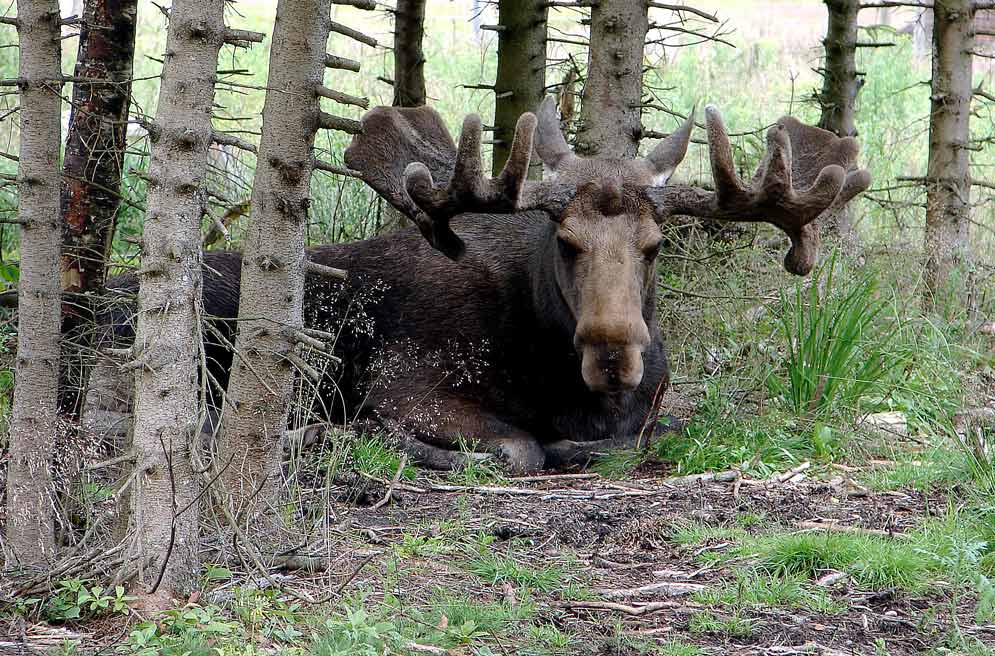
[[564, 453]]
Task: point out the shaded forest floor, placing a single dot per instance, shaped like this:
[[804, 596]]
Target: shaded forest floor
[[813, 560]]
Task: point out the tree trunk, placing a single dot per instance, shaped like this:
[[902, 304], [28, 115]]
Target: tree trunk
[[409, 81], [610, 119], [948, 204], [34, 419], [95, 144], [270, 308], [840, 86], [168, 343], [521, 72], [409, 59]]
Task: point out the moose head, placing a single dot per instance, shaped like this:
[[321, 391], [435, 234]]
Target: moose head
[[604, 213]]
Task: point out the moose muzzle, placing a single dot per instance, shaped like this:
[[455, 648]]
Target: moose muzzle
[[610, 338]]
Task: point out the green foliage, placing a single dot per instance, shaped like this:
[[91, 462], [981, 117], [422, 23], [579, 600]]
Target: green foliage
[[733, 626], [372, 455], [77, 599], [192, 629], [839, 344], [757, 590], [356, 633], [496, 567]]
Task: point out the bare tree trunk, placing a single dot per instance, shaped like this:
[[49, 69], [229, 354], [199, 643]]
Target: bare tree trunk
[[948, 203], [409, 81], [94, 159], [521, 72], [270, 308], [840, 86], [610, 123], [168, 341], [34, 422], [409, 59]]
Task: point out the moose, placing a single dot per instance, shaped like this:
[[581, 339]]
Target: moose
[[517, 318]]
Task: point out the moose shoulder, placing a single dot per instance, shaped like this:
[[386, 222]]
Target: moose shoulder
[[518, 317]]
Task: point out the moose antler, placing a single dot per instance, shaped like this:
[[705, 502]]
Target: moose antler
[[408, 156], [468, 190], [806, 172]]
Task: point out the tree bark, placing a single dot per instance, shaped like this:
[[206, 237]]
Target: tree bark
[[948, 203], [840, 86], [610, 120], [409, 81], [34, 419], [270, 308], [168, 343], [521, 72], [409, 59], [94, 158]]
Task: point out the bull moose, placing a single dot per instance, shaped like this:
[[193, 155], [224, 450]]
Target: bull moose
[[519, 317]]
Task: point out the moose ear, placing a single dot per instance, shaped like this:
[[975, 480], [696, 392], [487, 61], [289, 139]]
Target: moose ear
[[549, 141], [392, 138], [667, 154]]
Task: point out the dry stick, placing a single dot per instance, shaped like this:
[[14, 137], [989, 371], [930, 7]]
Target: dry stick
[[172, 522], [667, 589], [390, 489], [622, 608]]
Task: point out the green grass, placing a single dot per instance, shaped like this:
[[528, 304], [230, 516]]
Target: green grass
[[731, 626], [495, 567], [756, 590], [839, 351]]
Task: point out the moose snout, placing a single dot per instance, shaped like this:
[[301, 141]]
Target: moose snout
[[612, 365]]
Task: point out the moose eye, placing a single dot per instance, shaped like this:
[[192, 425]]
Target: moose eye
[[567, 249], [651, 253]]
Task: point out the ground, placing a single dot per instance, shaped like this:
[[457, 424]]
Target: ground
[[809, 560]]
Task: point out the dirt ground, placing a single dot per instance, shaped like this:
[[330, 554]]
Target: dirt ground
[[612, 539]]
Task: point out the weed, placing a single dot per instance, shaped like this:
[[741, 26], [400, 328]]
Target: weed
[[356, 633], [696, 532], [549, 639], [76, 599], [495, 567], [678, 648], [733, 626], [839, 345], [375, 457], [755, 590], [193, 630]]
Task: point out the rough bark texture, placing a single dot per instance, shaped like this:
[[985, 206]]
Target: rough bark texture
[[91, 170], [521, 72], [840, 85], [948, 203], [34, 421], [273, 268], [409, 80], [409, 59], [169, 297], [610, 123]]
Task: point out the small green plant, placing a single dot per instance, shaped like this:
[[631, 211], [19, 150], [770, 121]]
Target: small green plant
[[496, 567], [733, 626], [755, 590], [476, 470], [189, 631], [839, 344], [679, 648], [76, 599], [356, 632], [373, 456]]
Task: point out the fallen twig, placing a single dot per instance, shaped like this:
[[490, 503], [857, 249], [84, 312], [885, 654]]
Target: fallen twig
[[666, 589], [640, 609]]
